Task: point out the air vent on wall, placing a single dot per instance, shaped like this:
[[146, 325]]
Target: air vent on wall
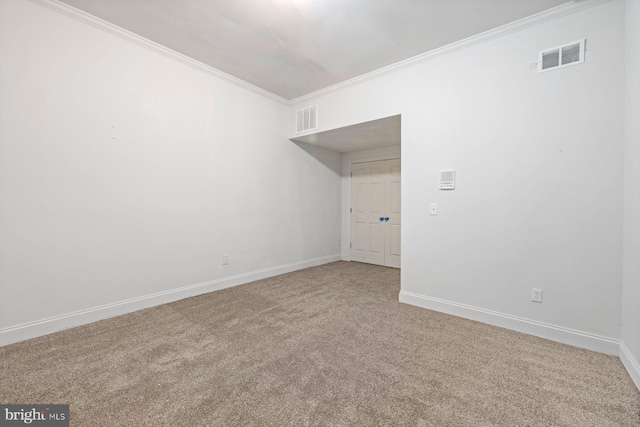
[[307, 119], [561, 56]]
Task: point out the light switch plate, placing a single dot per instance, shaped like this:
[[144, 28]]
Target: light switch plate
[[536, 295], [433, 209]]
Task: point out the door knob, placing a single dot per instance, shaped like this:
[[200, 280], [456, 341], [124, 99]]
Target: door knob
[[386, 218]]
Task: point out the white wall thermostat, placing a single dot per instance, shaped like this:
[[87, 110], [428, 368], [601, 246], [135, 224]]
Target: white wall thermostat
[[447, 180]]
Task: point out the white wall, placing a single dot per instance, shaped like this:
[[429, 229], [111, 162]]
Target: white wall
[[539, 160], [630, 347], [125, 173], [391, 152]]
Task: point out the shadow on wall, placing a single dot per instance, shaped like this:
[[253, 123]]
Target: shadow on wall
[[330, 159]]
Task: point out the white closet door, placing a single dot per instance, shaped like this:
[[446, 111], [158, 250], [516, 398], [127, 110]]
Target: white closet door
[[367, 242], [375, 217]]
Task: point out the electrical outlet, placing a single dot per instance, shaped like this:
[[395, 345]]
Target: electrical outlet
[[225, 259], [536, 295]]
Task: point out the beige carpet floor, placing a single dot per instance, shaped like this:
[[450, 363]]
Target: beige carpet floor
[[326, 346]]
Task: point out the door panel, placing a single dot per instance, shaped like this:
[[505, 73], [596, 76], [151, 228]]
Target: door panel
[[394, 247], [360, 236], [359, 222], [392, 255], [362, 192], [376, 189], [375, 240], [394, 205]]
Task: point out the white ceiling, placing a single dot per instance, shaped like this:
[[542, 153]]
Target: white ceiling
[[294, 47], [362, 136]]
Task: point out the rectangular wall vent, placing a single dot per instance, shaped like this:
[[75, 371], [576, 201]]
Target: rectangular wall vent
[[307, 119], [561, 56]]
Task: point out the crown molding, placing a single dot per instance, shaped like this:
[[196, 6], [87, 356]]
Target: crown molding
[[533, 20], [114, 30]]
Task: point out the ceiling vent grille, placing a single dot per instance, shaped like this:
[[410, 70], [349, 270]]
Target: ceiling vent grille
[[307, 119], [561, 56]]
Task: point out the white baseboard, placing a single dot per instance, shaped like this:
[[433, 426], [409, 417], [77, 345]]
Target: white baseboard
[[631, 364], [42, 327], [544, 330]]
